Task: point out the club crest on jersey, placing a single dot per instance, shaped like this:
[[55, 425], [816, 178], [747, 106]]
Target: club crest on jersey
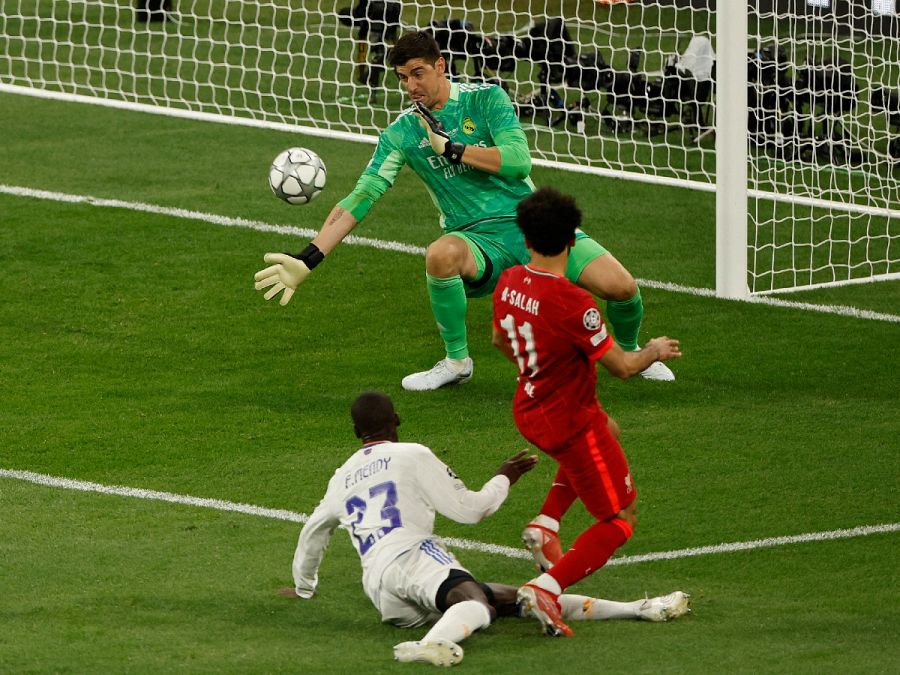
[[468, 126], [591, 319]]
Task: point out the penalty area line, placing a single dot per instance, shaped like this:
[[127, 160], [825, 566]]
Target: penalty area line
[[400, 247], [466, 544]]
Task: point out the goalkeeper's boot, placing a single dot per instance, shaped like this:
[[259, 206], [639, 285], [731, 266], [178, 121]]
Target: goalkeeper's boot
[[542, 605], [543, 544], [445, 371], [657, 371], [438, 652], [666, 607]]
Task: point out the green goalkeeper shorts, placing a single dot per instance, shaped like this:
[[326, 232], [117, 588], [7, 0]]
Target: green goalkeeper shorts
[[496, 244], [499, 245], [584, 251]]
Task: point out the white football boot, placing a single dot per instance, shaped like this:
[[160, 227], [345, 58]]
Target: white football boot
[[666, 607], [438, 652], [445, 371], [658, 371]]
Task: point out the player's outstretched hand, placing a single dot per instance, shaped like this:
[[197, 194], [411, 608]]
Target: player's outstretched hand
[[284, 274], [517, 465], [435, 130], [437, 136], [668, 348]]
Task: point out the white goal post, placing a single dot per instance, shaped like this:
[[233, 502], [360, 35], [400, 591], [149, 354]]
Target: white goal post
[[788, 109]]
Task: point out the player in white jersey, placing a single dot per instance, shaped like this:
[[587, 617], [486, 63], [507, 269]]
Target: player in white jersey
[[386, 496]]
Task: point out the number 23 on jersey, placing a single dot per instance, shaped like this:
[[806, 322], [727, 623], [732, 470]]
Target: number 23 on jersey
[[390, 514]]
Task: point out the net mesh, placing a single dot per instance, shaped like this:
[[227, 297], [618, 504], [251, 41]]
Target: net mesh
[[824, 148], [617, 88]]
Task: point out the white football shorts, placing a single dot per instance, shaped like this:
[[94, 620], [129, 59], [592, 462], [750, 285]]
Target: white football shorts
[[406, 597]]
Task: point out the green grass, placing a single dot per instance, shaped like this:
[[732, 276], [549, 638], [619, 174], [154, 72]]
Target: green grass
[[134, 351], [96, 592]]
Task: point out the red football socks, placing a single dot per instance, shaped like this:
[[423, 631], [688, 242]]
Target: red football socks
[[590, 551], [559, 498]]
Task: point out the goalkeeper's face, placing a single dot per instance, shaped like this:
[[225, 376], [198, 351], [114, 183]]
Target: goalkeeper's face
[[425, 81]]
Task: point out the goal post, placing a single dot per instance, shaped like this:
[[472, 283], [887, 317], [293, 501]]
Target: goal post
[[788, 109], [731, 151]]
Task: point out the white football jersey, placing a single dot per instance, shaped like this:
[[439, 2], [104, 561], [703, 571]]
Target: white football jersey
[[385, 496]]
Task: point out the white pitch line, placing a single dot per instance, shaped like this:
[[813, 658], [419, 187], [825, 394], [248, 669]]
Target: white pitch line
[[467, 544], [225, 221], [840, 310], [307, 233]]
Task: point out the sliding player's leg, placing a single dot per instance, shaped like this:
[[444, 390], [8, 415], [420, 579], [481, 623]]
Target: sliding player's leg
[[596, 270], [584, 608], [658, 609], [430, 582]]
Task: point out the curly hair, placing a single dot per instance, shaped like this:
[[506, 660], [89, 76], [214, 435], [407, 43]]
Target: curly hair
[[548, 219]]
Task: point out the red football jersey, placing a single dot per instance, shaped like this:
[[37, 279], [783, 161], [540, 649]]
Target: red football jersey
[[556, 333]]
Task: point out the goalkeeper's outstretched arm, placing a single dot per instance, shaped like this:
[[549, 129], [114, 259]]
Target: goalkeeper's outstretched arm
[[339, 223], [286, 271]]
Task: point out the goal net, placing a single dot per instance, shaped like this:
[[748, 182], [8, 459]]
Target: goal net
[[824, 143], [616, 88]]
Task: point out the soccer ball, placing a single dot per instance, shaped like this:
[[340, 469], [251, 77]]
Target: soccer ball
[[297, 175]]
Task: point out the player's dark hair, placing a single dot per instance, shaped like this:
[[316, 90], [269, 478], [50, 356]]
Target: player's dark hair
[[419, 45], [548, 219], [374, 416]]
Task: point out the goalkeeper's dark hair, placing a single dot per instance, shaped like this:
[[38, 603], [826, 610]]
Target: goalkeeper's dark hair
[[418, 45], [374, 417], [548, 219]]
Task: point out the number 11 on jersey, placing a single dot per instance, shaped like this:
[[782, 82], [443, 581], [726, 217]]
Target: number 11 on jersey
[[513, 332]]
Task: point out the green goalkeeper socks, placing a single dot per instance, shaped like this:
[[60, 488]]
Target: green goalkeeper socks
[[625, 317], [448, 303]]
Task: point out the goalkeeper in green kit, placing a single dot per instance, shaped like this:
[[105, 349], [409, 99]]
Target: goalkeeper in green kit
[[466, 144]]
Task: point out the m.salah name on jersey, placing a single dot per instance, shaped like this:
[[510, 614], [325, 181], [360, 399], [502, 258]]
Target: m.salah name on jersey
[[520, 300]]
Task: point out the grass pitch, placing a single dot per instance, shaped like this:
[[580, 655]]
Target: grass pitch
[[134, 351]]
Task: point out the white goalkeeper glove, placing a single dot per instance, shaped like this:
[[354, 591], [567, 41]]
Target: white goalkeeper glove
[[439, 139], [287, 272]]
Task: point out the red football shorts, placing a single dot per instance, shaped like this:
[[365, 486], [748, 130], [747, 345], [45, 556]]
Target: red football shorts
[[597, 470]]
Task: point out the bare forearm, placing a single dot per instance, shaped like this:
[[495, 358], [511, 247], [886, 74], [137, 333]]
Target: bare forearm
[[338, 225], [624, 364], [636, 362]]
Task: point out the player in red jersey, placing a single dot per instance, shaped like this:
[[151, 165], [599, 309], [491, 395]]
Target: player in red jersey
[[552, 330]]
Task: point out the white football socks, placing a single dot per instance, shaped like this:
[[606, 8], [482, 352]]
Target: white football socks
[[546, 521], [548, 583], [460, 621], [583, 608]]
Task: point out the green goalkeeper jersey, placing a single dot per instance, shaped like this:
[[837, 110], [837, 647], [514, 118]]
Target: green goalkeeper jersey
[[475, 114]]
